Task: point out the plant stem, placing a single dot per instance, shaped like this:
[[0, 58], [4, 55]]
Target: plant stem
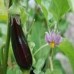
[[1, 53], [26, 72], [2, 58], [40, 48], [6, 50], [51, 59], [51, 63]]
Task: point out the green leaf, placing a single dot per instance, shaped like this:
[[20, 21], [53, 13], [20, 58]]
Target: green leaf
[[14, 70], [39, 64], [3, 12], [62, 26], [37, 34], [15, 9], [67, 48], [38, 1], [23, 16], [45, 12], [43, 7], [58, 8], [38, 72], [43, 52], [55, 71], [71, 3], [38, 37]]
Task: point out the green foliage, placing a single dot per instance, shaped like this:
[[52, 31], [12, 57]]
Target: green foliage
[[58, 8], [38, 1], [38, 37], [56, 71], [67, 48], [71, 3], [62, 25], [23, 16], [38, 32], [3, 12], [14, 70], [45, 12]]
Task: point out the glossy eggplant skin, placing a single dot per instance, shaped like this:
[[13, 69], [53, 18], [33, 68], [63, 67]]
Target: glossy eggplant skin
[[19, 43]]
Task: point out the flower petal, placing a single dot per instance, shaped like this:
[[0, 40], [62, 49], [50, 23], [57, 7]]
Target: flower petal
[[52, 35], [57, 39], [47, 37]]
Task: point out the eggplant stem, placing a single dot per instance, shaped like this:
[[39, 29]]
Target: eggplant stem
[[25, 71]]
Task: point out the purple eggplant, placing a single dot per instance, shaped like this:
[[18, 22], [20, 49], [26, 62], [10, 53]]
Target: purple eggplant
[[19, 42]]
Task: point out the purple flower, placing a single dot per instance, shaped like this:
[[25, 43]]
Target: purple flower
[[53, 38]]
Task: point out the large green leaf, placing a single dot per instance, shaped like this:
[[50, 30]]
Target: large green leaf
[[67, 48], [38, 37], [43, 52], [37, 34], [59, 8]]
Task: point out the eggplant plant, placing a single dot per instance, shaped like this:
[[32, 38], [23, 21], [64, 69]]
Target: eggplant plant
[[36, 38]]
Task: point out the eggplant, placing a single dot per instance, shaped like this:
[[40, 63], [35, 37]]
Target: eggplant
[[19, 43]]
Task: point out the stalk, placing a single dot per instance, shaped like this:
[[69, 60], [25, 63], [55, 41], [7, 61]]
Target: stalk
[[25, 71], [51, 59], [6, 50]]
